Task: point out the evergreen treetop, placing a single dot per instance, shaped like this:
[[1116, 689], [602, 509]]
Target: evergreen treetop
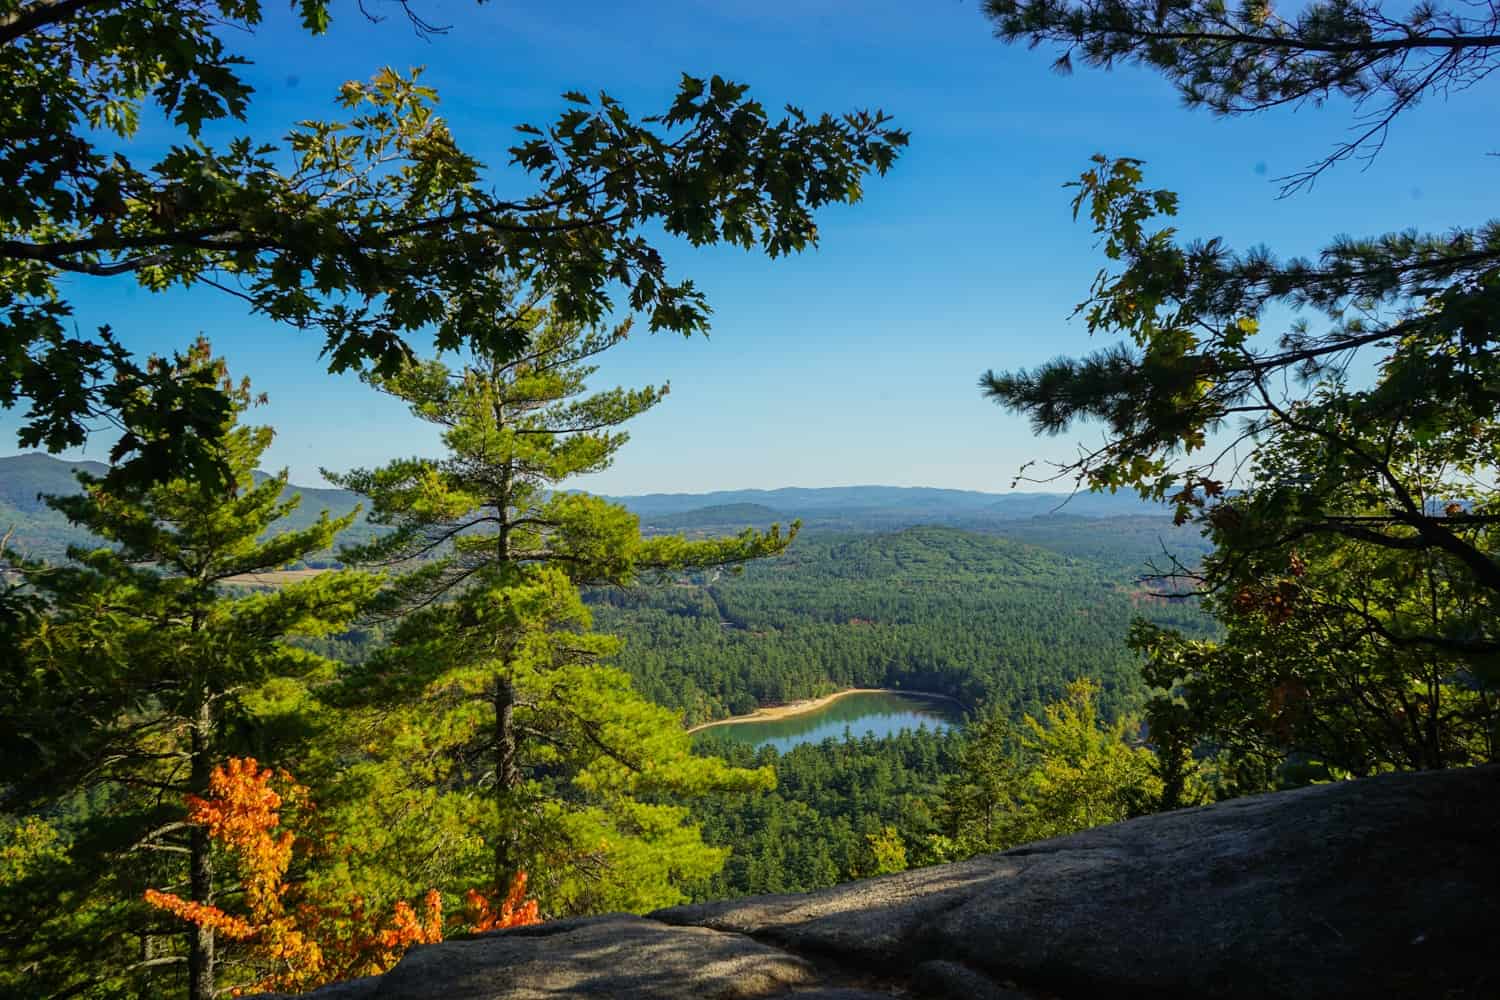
[[493, 690], [140, 670]]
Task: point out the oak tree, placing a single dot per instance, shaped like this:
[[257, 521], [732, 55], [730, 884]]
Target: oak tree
[[382, 227]]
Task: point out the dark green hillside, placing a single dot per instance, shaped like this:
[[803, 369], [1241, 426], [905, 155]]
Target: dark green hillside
[[40, 535], [1127, 546], [970, 615], [34, 528], [726, 516], [39, 531], [935, 555]]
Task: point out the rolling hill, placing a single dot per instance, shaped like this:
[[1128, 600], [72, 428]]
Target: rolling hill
[[977, 616], [728, 516], [1119, 531], [39, 531]]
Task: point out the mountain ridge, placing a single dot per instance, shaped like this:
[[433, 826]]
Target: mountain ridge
[[43, 532], [810, 499], [55, 474]]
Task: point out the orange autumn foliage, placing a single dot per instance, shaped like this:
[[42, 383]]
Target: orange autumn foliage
[[515, 909], [202, 914], [307, 943], [242, 815]]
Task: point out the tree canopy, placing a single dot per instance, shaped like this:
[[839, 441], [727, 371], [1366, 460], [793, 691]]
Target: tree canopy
[[383, 229], [140, 666], [1247, 57], [501, 694], [1331, 423]]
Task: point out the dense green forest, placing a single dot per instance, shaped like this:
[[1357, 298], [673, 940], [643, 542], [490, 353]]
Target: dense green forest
[[864, 805], [220, 777], [979, 617], [815, 828]]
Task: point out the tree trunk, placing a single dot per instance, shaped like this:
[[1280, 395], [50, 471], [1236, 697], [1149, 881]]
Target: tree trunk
[[201, 874], [507, 772], [507, 781]]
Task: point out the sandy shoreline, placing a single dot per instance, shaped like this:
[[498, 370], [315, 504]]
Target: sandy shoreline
[[806, 705]]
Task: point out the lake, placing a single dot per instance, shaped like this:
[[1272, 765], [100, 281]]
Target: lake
[[861, 712]]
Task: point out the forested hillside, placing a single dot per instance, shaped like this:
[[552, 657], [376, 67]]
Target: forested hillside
[[974, 616], [833, 802], [34, 527], [982, 612]]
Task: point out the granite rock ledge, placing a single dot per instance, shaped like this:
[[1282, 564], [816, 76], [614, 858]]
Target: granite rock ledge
[[1386, 887]]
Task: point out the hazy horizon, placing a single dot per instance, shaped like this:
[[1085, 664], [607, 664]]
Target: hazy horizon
[[711, 491]]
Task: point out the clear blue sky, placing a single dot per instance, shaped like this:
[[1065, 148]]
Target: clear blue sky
[[855, 363]]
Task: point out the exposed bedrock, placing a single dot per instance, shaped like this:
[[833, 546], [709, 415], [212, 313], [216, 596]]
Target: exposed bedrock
[[1388, 886]]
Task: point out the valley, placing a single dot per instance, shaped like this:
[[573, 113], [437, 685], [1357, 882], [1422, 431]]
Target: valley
[[982, 598], [403, 556], [806, 663], [999, 620], [979, 617]]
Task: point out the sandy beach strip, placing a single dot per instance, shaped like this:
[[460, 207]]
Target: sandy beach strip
[[791, 708]]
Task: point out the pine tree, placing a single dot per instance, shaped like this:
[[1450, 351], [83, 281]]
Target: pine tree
[[1084, 772], [1066, 771], [505, 692], [140, 674], [981, 797], [1329, 421], [1242, 59]]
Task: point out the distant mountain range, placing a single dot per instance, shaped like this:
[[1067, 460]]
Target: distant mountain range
[[40, 531], [897, 500], [23, 478], [872, 508]]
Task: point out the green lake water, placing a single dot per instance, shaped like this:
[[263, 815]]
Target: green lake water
[[875, 712]]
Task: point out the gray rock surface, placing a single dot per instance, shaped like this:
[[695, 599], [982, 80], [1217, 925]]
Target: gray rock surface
[[1383, 887], [1387, 887], [608, 957]]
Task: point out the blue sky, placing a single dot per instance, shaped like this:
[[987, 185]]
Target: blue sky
[[855, 363]]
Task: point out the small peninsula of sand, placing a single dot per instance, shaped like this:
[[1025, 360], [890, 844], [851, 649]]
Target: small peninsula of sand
[[791, 708]]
